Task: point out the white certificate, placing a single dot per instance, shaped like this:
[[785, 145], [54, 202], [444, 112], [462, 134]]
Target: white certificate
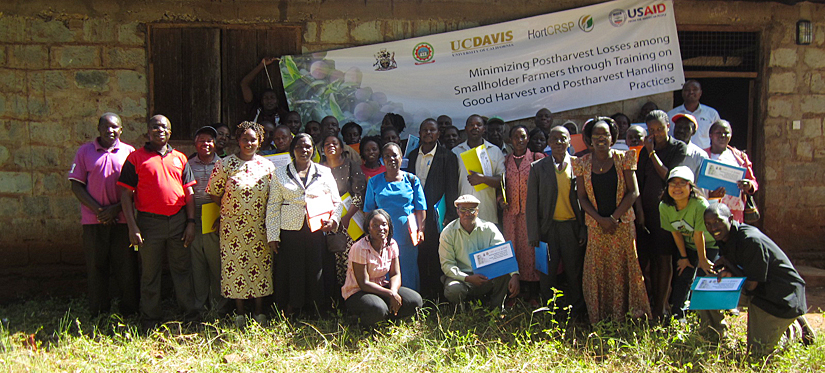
[[318, 205], [484, 159], [712, 284], [724, 172], [280, 159], [494, 254]]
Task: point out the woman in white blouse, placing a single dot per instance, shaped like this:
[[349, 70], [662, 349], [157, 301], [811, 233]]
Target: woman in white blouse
[[295, 230]]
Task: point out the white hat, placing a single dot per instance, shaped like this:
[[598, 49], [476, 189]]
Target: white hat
[[682, 172], [467, 198]]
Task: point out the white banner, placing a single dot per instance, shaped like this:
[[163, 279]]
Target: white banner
[[566, 60]]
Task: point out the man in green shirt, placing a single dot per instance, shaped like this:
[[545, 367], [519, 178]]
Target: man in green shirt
[[462, 237]]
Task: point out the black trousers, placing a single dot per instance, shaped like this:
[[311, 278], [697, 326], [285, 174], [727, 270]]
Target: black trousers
[[429, 264], [563, 244], [162, 237], [372, 308], [681, 283], [108, 256], [298, 268]]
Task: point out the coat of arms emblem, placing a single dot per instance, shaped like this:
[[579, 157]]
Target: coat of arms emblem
[[384, 60]]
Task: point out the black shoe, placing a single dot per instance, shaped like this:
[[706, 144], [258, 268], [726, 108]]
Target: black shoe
[[192, 316], [147, 326]]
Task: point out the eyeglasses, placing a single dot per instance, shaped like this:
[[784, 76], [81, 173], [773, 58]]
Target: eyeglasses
[[467, 210], [678, 183]]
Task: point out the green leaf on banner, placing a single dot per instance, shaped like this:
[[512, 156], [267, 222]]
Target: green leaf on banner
[[333, 105], [294, 72]]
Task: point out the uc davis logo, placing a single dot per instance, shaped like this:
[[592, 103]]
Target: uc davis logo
[[586, 23], [423, 53]]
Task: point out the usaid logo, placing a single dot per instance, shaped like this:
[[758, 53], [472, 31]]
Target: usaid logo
[[646, 11]]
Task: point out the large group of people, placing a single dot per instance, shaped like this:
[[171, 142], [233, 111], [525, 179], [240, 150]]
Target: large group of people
[[627, 230]]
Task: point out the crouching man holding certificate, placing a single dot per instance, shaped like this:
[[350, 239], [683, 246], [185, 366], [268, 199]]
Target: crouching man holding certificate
[[460, 240]]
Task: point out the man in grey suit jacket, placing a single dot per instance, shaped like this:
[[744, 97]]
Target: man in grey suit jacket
[[437, 168], [557, 220]]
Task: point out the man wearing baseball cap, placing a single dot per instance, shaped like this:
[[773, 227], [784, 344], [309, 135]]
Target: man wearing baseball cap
[[684, 127], [459, 240], [205, 247]]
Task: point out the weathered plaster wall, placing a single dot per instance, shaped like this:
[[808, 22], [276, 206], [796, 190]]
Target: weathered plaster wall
[[62, 63], [56, 76]]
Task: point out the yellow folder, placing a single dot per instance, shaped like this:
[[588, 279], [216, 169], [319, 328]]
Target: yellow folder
[[476, 159], [356, 224], [209, 213]]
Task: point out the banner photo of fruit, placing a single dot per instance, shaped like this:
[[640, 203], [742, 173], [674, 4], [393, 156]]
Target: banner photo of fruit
[[565, 60]]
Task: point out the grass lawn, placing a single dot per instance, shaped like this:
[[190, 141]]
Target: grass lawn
[[57, 335]]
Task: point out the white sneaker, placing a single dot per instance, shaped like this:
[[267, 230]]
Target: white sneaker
[[260, 319], [240, 321]]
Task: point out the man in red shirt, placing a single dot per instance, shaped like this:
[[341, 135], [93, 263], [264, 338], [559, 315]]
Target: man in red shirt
[[157, 182]]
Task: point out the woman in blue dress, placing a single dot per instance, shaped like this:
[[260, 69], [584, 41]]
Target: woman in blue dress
[[401, 195]]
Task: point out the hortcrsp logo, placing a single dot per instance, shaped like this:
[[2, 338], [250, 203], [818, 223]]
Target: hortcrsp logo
[[586, 23], [617, 17], [384, 60], [482, 43], [550, 30], [423, 53]]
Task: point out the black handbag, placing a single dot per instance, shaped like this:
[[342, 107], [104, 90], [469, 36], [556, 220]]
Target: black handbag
[[751, 214], [336, 242]]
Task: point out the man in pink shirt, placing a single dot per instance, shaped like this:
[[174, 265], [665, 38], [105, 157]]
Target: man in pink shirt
[[94, 175]]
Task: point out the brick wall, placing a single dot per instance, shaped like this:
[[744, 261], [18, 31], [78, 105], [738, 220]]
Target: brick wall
[[794, 166], [61, 68]]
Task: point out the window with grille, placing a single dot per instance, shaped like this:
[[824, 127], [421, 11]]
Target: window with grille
[[719, 51]]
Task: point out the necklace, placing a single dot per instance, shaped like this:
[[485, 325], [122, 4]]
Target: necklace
[[603, 163]]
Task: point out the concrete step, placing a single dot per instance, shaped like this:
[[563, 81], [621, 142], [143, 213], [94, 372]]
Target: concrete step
[[814, 277]]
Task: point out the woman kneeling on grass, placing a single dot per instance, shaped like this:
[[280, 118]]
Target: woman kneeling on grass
[[682, 213], [367, 292]]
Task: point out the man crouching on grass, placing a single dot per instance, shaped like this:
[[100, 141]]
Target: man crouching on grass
[[775, 290], [459, 240]]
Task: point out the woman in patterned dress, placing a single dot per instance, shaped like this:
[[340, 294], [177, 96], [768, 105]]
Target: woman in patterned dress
[[350, 179], [516, 172], [613, 285], [240, 185]]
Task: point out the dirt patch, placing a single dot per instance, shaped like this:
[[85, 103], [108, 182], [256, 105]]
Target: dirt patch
[[816, 305]]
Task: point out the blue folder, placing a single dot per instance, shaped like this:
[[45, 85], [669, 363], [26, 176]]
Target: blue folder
[[712, 183], [495, 268], [441, 211], [542, 258], [412, 143], [713, 299]]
